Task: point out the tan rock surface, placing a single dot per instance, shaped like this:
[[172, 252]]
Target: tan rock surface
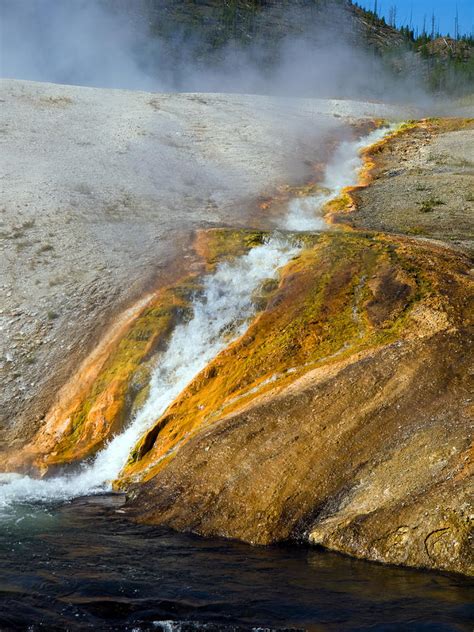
[[424, 185], [370, 455], [343, 416]]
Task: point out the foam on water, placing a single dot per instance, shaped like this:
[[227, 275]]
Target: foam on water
[[342, 171], [221, 312]]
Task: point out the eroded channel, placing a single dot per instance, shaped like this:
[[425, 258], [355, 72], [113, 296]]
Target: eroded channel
[[221, 312]]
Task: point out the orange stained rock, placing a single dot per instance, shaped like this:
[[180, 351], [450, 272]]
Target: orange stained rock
[[100, 397], [91, 406], [58, 420], [373, 165], [346, 294], [323, 310], [346, 201]]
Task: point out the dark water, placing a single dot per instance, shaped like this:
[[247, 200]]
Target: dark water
[[81, 566]]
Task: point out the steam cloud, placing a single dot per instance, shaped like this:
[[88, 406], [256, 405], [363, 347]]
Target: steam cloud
[[105, 43]]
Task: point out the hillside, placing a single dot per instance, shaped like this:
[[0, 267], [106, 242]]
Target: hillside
[[440, 63], [310, 48], [250, 21]]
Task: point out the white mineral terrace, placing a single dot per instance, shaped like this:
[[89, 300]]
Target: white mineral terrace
[[221, 313]]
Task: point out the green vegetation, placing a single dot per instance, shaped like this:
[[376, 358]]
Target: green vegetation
[[427, 206], [448, 62], [445, 64], [416, 230]]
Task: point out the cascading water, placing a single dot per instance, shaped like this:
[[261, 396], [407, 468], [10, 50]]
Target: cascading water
[[83, 566], [341, 172], [221, 312]]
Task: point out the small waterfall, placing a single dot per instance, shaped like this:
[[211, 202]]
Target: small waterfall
[[221, 313]]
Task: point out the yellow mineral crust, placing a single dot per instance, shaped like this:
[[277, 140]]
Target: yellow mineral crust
[[346, 294], [113, 380]]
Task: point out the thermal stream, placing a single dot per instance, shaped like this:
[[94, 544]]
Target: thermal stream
[[221, 313], [341, 172]]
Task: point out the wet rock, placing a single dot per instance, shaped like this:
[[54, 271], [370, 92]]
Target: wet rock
[[351, 454]]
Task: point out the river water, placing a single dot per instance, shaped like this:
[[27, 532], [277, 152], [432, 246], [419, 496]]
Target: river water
[[71, 562], [81, 566]]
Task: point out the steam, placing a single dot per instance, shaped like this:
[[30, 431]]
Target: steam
[[341, 172], [220, 313], [79, 42], [109, 44]]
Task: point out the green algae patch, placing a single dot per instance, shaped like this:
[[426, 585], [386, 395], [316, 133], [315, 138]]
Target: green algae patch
[[223, 244], [341, 203], [122, 382], [345, 294], [95, 413]]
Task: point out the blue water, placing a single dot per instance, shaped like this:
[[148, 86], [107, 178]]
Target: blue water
[[82, 566]]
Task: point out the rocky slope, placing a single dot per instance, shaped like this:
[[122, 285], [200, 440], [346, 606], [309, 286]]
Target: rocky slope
[[264, 22], [441, 64], [368, 451], [343, 415], [338, 459], [353, 426], [101, 193], [432, 163]]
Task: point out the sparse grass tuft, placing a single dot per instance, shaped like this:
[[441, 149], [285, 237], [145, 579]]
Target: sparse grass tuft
[[416, 230], [60, 102], [45, 248], [429, 205]]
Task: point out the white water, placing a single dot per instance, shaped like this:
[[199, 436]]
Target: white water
[[220, 313], [305, 214]]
